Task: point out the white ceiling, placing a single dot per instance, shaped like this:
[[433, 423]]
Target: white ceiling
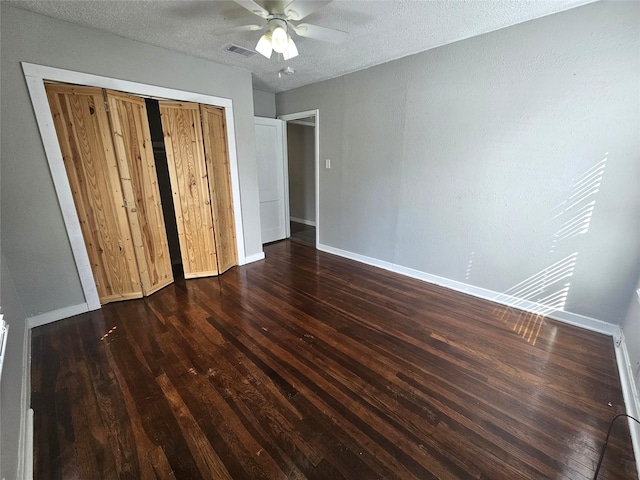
[[379, 31]]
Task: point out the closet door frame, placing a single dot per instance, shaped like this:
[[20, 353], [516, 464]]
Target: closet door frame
[[36, 76]]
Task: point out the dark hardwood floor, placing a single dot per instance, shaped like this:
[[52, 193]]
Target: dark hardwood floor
[[307, 365], [303, 233]]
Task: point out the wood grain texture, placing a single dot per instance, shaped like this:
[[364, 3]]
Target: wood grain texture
[[134, 152], [307, 365], [83, 131], [214, 133], [182, 132]]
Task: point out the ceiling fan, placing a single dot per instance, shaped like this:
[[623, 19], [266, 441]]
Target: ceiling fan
[[279, 16]]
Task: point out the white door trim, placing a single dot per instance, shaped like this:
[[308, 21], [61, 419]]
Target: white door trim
[[296, 116], [285, 159], [35, 75]]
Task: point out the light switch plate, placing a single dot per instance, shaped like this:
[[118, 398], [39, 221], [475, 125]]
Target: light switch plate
[[327, 163]]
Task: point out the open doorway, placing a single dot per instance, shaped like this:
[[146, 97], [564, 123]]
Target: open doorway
[[302, 152]]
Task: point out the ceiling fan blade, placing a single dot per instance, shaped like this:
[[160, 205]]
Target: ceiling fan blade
[[298, 9], [240, 28], [320, 33], [253, 7]]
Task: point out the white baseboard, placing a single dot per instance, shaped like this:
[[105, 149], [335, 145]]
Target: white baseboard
[[303, 221], [629, 392], [585, 322], [55, 315], [355, 256], [254, 258], [565, 317]]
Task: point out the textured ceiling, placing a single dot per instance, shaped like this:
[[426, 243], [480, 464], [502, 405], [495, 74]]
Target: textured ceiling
[[379, 31]]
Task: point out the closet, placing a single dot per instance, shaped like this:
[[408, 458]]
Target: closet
[[108, 156]]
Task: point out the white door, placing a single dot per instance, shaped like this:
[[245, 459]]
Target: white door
[[270, 142]]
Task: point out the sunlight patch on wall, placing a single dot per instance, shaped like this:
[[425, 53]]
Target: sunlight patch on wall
[[579, 205], [467, 274], [547, 290], [543, 288]]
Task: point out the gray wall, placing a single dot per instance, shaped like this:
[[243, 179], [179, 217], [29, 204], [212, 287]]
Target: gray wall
[[34, 239], [302, 183], [467, 155], [264, 104], [11, 385]]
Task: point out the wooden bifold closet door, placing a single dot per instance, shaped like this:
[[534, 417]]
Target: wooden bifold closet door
[[219, 170], [111, 172], [199, 172], [134, 151], [108, 155]]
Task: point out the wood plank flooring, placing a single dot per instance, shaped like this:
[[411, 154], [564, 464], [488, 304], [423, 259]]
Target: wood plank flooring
[[307, 365], [303, 233]]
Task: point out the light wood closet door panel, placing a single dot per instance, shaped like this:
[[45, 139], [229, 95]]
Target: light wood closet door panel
[[188, 175], [219, 170], [82, 126], [134, 152]]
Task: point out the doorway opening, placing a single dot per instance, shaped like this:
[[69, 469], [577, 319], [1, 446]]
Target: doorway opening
[[302, 172]]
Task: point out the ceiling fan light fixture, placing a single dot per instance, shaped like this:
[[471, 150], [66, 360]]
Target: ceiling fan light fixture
[[281, 17], [279, 39], [264, 45], [291, 51]]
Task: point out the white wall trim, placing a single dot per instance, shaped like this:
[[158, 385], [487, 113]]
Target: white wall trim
[[565, 317], [296, 116], [26, 428], [254, 258], [235, 182], [4, 335], [28, 457], [55, 315], [629, 392], [317, 152], [304, 124], [63, 189], [588, 323], [303, 221], [285, 159], [35, 75], [356, 256], [90, 80]]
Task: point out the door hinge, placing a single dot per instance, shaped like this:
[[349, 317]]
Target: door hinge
[[106, 106]]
